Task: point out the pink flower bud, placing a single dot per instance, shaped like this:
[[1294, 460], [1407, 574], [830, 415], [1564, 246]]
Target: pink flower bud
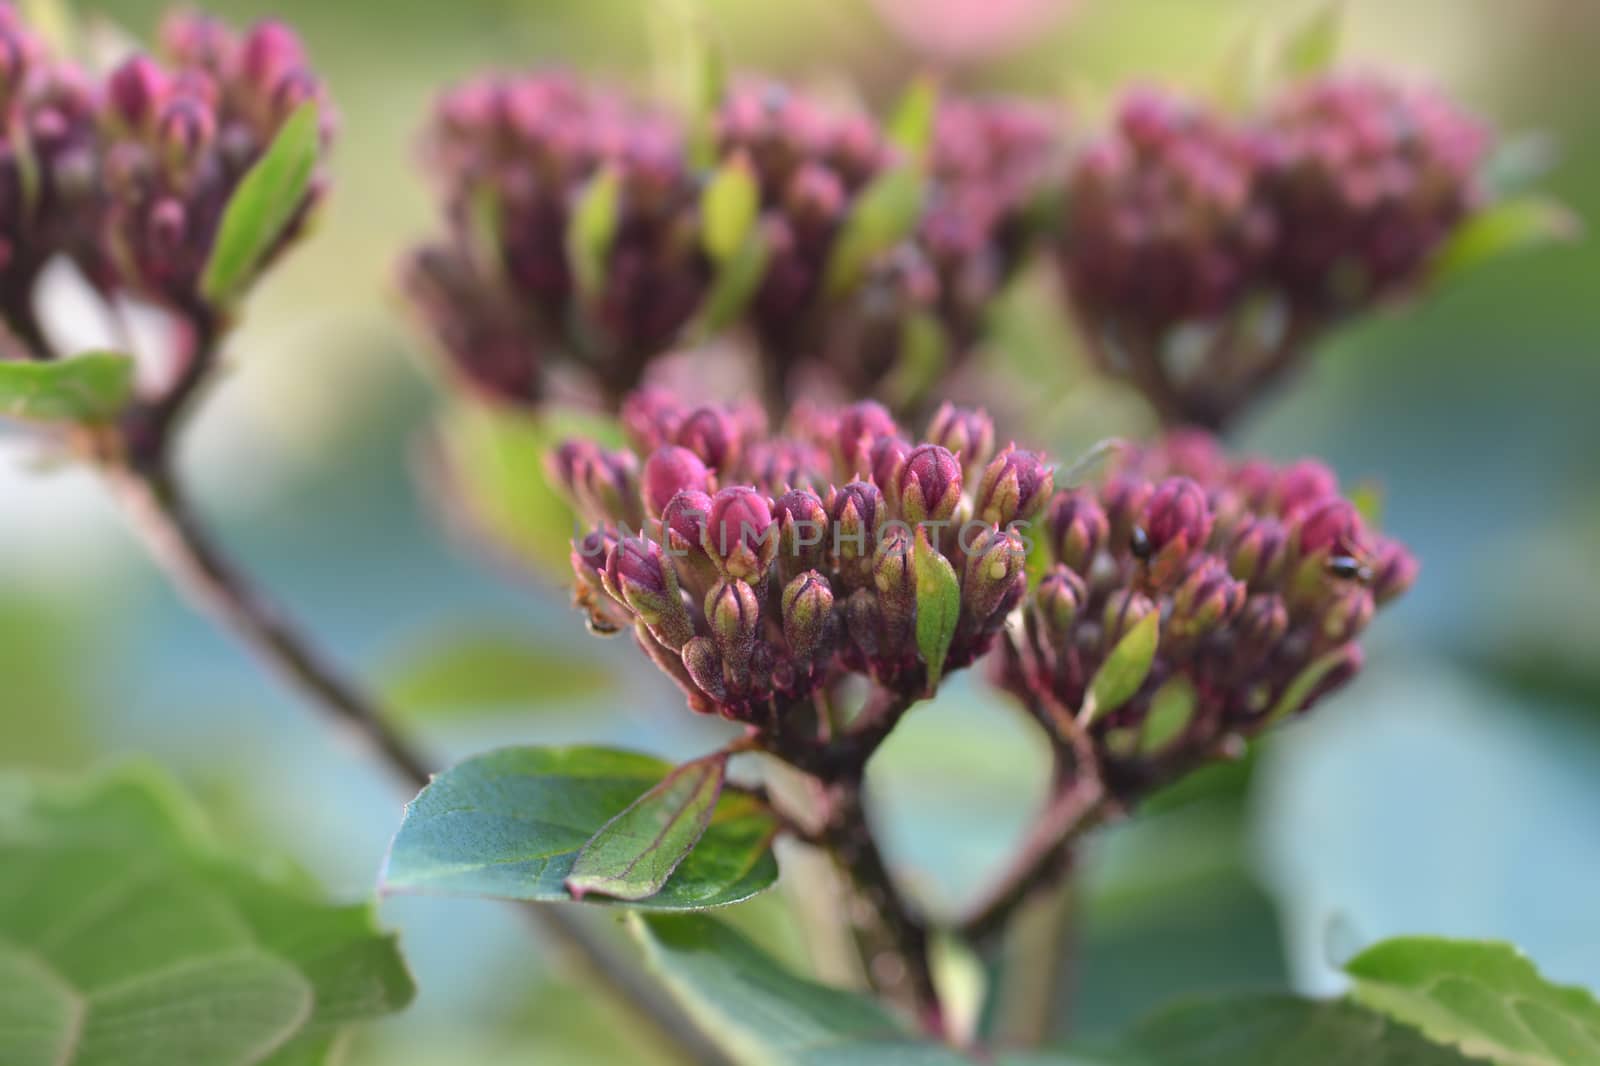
[[966, 431], [1206, 598], [1078, 527], [995, 578], [1332, 526], [1257, 552], [137, 89], [1125, 609], [1015, 486], [929, 485], [857, 514], [650, 417], [1260, 626], [712, 433], [1302, 484], [704, 667], [1347, 615], [638, 574], [1057, 603], [740, 535], [734, 614], [1394, 570], [669, 471], [1178, 516], [267, 52], [803, 528], [855, 430], [807, 615]]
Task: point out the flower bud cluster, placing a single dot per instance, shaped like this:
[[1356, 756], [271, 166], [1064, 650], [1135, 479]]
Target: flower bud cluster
[[47, 160], [1366, 178], [1257, 233], [178, 135], [1261, 577], [515, 157], [756, 568]]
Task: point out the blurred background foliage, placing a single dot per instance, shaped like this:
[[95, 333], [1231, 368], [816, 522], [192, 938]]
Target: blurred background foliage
[[1448, 791]]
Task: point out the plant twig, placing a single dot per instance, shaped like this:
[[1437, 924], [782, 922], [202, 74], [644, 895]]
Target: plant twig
[[199, 567]]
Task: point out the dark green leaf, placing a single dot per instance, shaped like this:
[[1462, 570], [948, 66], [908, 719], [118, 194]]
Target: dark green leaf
[[263, 204], [1485, 998], [884, 214], [728, 209], [1312, 48], [910, 127], [88, 388], [1512, 226], [762, 1014], [509, 824], [632, 855], [127, 937], [592, 230], [938, 606], [478, 670], [1124, 670]]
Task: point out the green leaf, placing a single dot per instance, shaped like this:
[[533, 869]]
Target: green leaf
[[1516, 162], [1303, 683], [884, 214], [509, 825], [922, 358], [1511, 226], [632, 855], [728, 209], [592, 230], [1119, 677], [938, 605], [762, 1014], [910, 127], [127, 936], [1314, 45], [1171, 709], [465, 672], [1274, 1030], [1485, 998], [736, 282], [262, 206], [86, 388]]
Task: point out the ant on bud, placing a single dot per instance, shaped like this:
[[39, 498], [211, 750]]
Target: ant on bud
[[1139, 544], [1349, 568]]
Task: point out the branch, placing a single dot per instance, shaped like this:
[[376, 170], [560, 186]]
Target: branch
[[1077, 803], [203, 572]]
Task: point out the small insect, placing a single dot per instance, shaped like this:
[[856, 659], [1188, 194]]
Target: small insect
[[1139, 544], [1349, 568]]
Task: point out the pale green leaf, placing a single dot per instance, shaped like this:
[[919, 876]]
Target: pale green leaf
[[736, 282], [262, 206], [1119, 677], [885, 213], [1511, 226], [127, 936], [509, 824], [1487, 999], [1312, 48], [592, 230], [87, 388], [911, 124], [631, 856], [938, 606], [1303, 684], [1171, 710], [476, 670], [728, 209]]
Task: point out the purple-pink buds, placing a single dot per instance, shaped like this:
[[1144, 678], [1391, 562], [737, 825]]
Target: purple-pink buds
[[929, 485], [1058, 602], [734, 613], [715, 434], [1078, 527], [966, 431], [639, 575], [1206, 597], [1394, 570], [857, 514], [996, 576], [740, 535], [669, 471], [802, 532], [1177, 517], [807, 615], [1015, 486], [1332, 526]]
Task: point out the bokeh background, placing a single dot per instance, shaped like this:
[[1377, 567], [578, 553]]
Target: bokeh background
[[1451, 790]]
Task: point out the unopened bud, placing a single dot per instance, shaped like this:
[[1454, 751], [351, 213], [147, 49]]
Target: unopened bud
[[1015, 486], [1347, 614], [137, 89], [704, 665], [714, 434], [734, 614], [807, 615], [802, 533], [1207, 597], [895, 578], [857, 514], [669, 471], [1394, 570], [740, 535], [1177, 517], [929, 485], [1078, 527], [855, 431], [967, 432], [1125, 496], [996, 575], [1257, 552], [1057, 603], [1332, 527], [1125, 609], [638, 574], [1302, 484]]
